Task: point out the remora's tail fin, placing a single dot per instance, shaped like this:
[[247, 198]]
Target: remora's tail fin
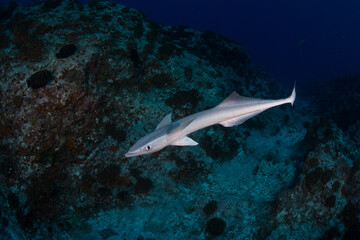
[[293, 96]]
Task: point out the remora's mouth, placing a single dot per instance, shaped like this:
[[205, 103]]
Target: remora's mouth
[[132, 153], [129, 154]]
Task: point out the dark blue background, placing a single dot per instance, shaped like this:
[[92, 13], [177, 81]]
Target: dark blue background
[[294, 39]]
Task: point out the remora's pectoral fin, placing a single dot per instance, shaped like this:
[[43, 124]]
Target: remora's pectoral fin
[[175, 133], [239, 120], [166, 120], [185, 141]]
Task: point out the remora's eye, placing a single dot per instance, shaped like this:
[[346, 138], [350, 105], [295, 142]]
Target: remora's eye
[[148, 147]]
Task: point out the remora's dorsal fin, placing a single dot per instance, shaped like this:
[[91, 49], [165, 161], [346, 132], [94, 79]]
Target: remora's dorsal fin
[[239, 120], [166, 120], [185, 141], [235, 98]]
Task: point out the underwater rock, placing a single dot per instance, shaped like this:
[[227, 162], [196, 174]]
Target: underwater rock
[[40, 79], [220, 150], [52, 4], [317, 183], [30, 49], [166, 50], [134, 57], [349, 216], [107, 232], [109, 175], [212, 47], [215, 226], [6, 12], [184, 101], [210, 208], [5, 222], [13, 200], [66, 51], [125, 196], [104, 192], [330, 201], [116, 133], [160, 81], [4, 40], [188, 168], [143, 185], [332, 233], [345, 107]]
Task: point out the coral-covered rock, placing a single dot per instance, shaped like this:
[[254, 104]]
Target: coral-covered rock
[[316, 199]]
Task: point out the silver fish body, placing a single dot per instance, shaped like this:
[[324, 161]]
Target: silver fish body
[[234, 110]]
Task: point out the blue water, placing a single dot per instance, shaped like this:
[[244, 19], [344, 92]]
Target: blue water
[[295, 40]]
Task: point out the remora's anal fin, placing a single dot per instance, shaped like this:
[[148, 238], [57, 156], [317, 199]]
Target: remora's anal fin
[[185, 141], [241, 119], [166, 120], [234, 98]]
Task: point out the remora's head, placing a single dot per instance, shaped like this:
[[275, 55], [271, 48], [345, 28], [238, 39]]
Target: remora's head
[[151, 143]]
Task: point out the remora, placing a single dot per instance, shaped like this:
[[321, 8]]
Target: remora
[[234, 110]]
